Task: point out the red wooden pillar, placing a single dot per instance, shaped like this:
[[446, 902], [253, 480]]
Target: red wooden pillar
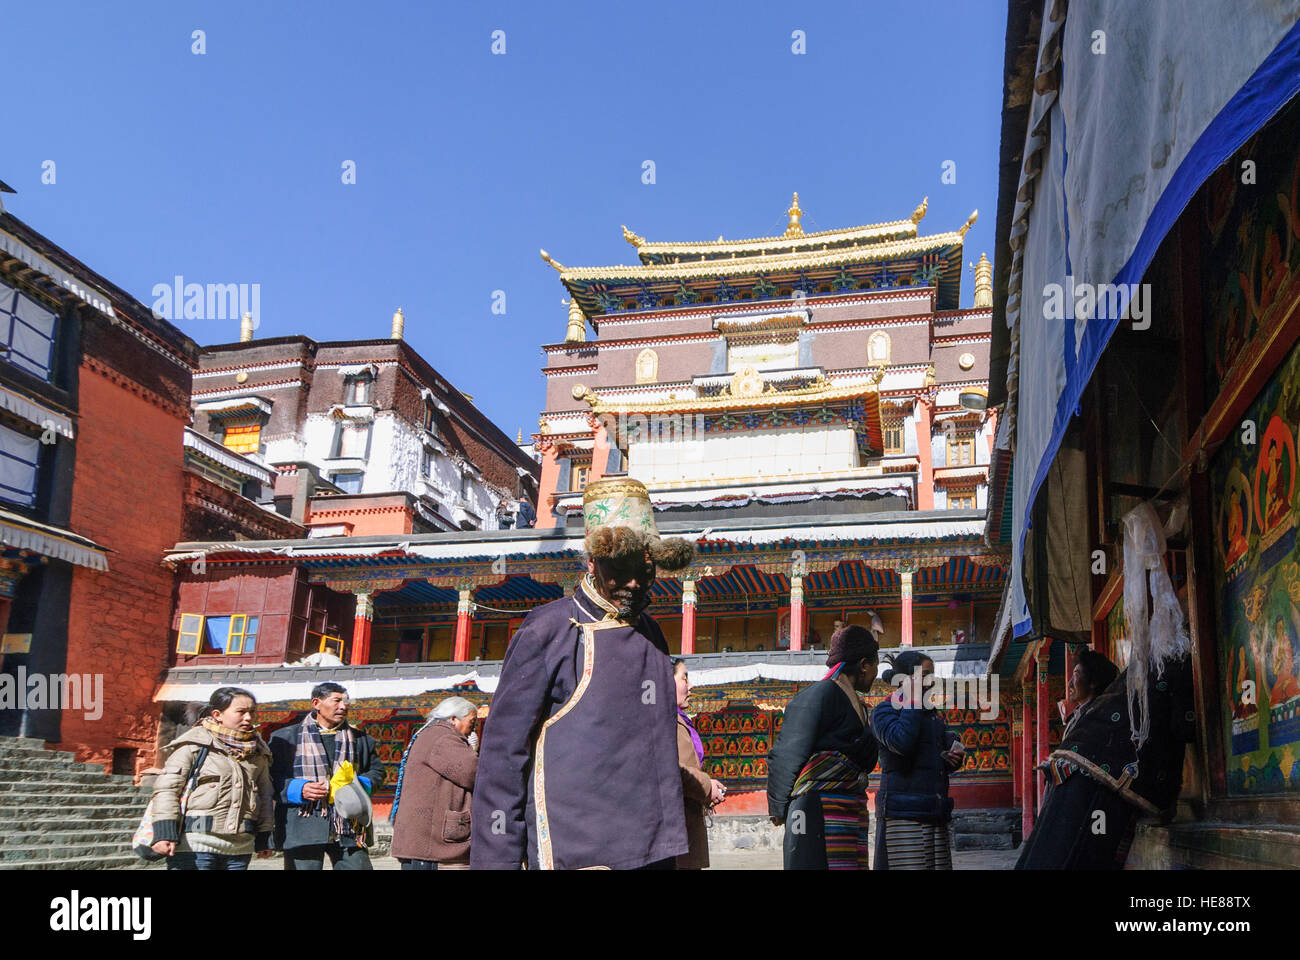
[[361, 624], [1044, 651], [796, 611], [599, 453], [924, 482], [464, 623], [1026, 761], [550, 479], [688, 616], [905, 575], [1017, 731]]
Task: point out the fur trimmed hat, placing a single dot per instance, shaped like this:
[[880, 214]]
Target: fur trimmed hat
[[619, 521]]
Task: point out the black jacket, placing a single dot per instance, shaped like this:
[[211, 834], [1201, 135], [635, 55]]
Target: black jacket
[[292, 830], [913, 774], [818, 718]]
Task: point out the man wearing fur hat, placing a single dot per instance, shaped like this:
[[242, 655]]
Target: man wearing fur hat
[[578, 760]]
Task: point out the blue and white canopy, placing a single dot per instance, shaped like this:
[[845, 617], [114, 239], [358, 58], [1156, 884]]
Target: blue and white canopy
[[1117, 144]]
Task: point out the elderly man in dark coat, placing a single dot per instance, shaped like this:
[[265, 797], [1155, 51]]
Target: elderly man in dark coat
[[578, 764]]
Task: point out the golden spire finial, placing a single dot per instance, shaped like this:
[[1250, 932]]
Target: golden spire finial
[[519, 436], [631, 237], [919, 212], [555, 263], [577, 330], [970, 222], [983, 282], [795, 229], [399, 324]]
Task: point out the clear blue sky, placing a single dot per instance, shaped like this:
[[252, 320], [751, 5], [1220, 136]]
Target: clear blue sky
[[226, 167]]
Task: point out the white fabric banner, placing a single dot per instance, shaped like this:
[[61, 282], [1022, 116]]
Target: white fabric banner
[[1111, 160]]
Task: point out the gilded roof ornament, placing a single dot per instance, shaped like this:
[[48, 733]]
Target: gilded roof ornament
[[576, 332], [632, 238], [795, 229], [970, 222], [919, 212], [555, 263], [983, 282]]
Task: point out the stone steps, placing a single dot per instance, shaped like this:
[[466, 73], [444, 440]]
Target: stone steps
[[60, 814], [84, 836], [52, 829], [30, 802], [21, 764], [127, 861], [29, 781]]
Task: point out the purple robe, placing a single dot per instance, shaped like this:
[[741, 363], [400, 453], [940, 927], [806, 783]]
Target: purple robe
[[610, 785]]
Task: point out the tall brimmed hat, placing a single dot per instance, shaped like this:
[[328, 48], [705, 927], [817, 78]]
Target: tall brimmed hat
[[620, 521]]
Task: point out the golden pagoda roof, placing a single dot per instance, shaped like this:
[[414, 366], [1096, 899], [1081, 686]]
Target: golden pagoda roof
[[766, 260], [792, 241]]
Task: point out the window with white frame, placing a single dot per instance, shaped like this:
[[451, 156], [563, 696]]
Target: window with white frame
[[19, 463], [27, 332], [351, 441]]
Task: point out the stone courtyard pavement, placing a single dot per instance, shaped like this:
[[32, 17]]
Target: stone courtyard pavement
[[755, 860]]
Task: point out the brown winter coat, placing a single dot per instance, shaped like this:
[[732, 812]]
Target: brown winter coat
[[696, 790], [433, 818]]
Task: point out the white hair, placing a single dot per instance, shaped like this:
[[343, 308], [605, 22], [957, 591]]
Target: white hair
[[453, 708]]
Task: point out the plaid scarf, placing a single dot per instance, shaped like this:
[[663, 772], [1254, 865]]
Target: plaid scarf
[[311, 762], [237, 743]]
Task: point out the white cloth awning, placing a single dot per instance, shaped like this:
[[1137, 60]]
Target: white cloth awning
[[36, 413], [280, 692], [23, 534], [914, 530], [1088, 214], [16, 248], [235, 404], [227, 458]]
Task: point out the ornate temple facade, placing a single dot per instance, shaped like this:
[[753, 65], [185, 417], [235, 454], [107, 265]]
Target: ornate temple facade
[[807, 409]]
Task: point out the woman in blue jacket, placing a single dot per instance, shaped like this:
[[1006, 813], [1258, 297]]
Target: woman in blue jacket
[[917, 752]]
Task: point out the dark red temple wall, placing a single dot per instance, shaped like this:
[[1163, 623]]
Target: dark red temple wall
[[847, 349], [258, 592], [946, 368], [126, 495]]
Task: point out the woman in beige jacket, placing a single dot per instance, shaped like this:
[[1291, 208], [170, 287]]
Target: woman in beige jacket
[[699, 791], [229, 814]]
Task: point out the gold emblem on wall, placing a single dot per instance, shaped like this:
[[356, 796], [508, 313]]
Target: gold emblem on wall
[[647, 366], [746, 382]]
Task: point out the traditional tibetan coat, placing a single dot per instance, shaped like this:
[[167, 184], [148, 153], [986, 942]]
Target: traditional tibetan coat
[[578, 761]]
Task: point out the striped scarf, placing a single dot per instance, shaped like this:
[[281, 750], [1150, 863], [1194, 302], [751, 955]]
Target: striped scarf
[[311, 763], [239, 744]]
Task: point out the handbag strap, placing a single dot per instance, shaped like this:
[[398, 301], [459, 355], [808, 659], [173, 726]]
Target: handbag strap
[[192, 781]]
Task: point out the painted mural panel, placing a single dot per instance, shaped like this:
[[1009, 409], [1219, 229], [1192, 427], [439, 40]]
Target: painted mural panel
[[1257, 578], [1251, 241]]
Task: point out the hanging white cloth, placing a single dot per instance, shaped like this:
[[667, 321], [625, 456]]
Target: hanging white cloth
[[1160, 638]]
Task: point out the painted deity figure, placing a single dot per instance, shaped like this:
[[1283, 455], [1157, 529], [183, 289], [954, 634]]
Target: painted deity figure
[[1285, 685], [1275, 497], [1237, 544]]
